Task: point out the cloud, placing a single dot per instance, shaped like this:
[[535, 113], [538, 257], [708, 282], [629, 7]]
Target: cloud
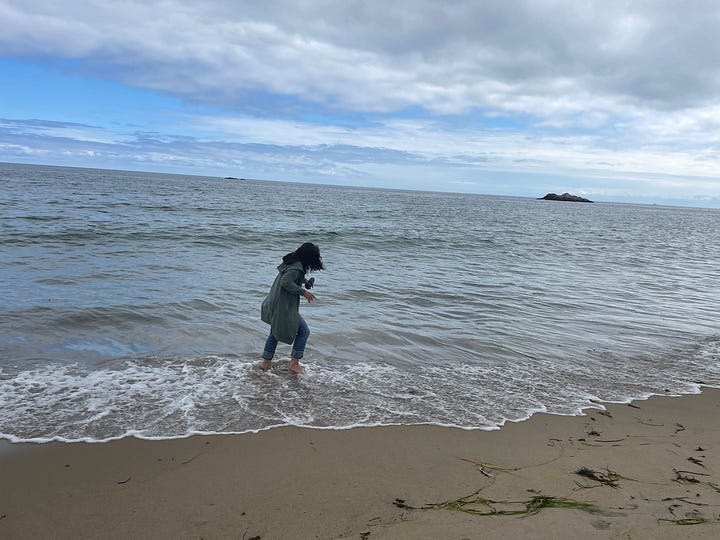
[[548, 59], [71, 131], [411, 154], [622, 96]]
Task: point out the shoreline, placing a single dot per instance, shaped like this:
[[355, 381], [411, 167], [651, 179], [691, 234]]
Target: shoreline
[[595, 404], [662, 454]]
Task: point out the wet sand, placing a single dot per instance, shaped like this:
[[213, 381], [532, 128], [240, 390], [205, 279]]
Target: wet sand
[[653, 471]]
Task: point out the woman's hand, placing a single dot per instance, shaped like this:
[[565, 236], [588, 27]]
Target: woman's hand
[[309, 296]]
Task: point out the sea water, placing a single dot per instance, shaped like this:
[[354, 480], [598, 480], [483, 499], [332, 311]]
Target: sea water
[[130, 304]]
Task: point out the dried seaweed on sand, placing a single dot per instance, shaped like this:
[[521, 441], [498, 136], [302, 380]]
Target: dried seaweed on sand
[[480, 506]]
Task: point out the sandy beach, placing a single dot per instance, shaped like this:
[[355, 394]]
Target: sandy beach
[[651, 469]]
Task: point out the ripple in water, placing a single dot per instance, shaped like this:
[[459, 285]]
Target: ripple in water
[[132, 305]]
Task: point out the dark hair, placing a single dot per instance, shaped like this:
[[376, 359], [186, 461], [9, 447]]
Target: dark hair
[[308, 254]]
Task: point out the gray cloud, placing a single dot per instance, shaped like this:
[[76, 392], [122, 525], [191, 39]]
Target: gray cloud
[[583, 61], [624, 94], [415, 155], [24, 125], [51, 142]]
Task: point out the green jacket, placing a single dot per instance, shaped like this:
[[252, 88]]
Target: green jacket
[[281, 307]]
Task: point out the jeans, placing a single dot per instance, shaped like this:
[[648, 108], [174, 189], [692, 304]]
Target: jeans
[[298, 345]]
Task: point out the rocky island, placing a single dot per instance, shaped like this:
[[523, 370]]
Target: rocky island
[[564, 197]]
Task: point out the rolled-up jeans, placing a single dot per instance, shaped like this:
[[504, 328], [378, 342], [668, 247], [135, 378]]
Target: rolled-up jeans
[[298, 345]]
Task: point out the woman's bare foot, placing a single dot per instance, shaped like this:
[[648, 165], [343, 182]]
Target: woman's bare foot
[[295, 366], [265, 365]]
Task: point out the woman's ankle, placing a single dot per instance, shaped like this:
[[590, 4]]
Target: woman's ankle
[[295, 366], [266, 364]]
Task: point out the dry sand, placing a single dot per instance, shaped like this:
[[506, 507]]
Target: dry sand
[[294, 483]]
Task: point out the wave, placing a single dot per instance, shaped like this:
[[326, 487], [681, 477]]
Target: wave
[[168, 398], [131, 305]]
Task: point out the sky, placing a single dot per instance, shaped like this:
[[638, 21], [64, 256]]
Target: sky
[[612, 100]]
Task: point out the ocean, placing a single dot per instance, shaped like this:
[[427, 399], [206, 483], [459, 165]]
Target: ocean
[[131, 305]]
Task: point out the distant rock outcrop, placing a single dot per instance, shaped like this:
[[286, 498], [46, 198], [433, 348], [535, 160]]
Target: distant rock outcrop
[[564, 197]]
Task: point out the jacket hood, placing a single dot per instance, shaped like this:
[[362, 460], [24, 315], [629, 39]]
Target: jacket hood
[[297, 265]]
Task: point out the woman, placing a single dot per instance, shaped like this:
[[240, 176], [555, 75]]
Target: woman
[[281, 308]]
